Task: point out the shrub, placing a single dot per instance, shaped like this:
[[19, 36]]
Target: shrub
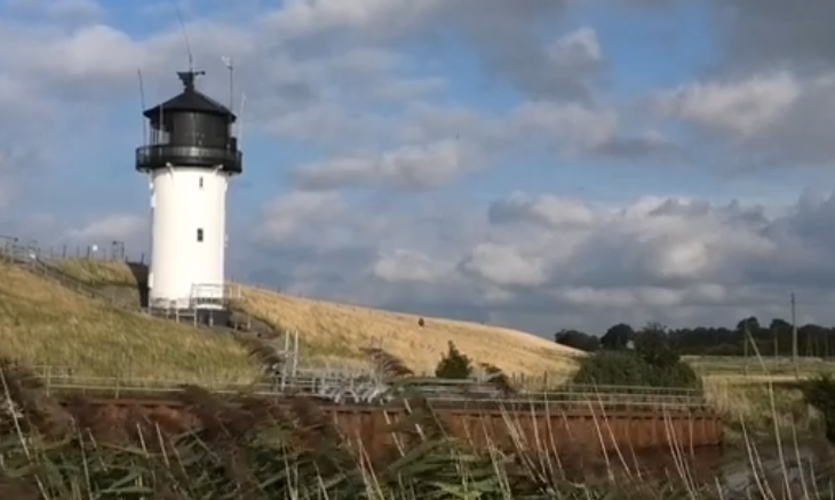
[[820, 394], [631, 369], [454, 365]]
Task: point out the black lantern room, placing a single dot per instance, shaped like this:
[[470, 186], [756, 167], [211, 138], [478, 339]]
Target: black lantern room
[[190, 130]]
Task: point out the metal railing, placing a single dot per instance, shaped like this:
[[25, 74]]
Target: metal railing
[[28, 256], [157, 155], [374, 390]]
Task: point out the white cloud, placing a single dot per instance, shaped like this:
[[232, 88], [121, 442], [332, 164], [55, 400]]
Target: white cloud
[[408, 167], [122, 227], [440, 146], [745, 107], [554, 259], [288, 215], [304, 18], [572, 126], [407, 266], [776, 119], [506, 266]]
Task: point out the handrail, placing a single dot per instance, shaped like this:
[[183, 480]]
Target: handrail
[[57, 384], [125, 388], [62, 375], [129, 392], [66, 373], [29, 258]]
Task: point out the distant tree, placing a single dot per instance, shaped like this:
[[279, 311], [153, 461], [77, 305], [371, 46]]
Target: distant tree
[[750, 325], [617, 337], [577, 340], [653, 344], [766, 339], [454, 365]]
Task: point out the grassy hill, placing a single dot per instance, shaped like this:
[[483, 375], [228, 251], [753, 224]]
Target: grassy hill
[[337, 332], [45, 324]]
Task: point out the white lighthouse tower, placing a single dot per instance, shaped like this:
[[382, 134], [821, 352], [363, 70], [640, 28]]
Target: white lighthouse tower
[[190, 160]]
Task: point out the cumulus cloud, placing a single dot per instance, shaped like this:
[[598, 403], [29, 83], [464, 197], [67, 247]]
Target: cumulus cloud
[[408, 167], [744, 108], [542, 261], [403, 266], [440, 146], [764, 98], [765, 119], [128, 228]]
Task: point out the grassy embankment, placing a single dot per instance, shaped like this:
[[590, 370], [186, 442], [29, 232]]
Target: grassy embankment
[[45, 324], [761, 392], [336, 333]]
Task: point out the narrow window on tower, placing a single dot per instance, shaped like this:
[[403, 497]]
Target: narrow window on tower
[[200, 235], [201, 183]]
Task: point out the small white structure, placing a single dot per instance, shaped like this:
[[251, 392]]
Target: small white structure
[[190, 161]]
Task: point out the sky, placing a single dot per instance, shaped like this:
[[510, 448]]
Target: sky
[[539, 164]]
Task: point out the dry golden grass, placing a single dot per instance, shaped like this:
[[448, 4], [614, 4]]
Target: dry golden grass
[[758, 404], [336, 333], [758, 368], [341, 330], [42, 323], [98, 273]]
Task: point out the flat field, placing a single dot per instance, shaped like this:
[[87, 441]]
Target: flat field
[[737, 369], [760, 392], [336, 333], [45, 324]]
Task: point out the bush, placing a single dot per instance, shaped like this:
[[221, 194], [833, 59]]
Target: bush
[[629, 368], [454, 365], [820, 394]]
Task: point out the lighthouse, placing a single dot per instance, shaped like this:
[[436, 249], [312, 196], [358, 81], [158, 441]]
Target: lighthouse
[[191, 157]]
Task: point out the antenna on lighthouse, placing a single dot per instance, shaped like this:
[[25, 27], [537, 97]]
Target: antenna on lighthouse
[[142, 103], [241, 119], [227, 61], [230, 65], [185, 36]]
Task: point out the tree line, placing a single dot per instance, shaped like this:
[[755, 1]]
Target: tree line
[[771, 339]]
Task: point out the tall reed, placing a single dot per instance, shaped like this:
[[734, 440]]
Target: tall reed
[[253, 449]]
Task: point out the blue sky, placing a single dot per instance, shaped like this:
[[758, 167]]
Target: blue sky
[[540, 164]]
